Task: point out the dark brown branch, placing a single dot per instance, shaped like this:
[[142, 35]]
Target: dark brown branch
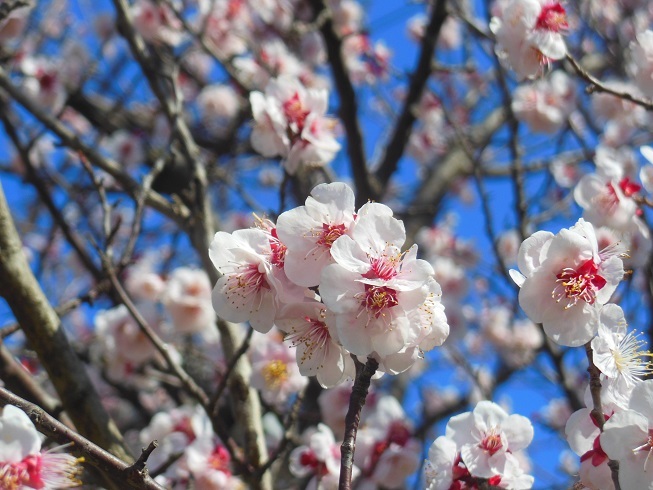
[[364, 373], [404, 125], [117, 471], [348, 110]]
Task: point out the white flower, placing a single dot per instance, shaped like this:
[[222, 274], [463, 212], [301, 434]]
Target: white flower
[[310, 329], [487, 437], [319, 457], [374, 289], [529, 34], [628, 438], [642, 62], [274, 370], [250, 289], [309, 231], [618, 354], [439, 467], [187, 298], [23, 465], [565, 282], [290, 122]]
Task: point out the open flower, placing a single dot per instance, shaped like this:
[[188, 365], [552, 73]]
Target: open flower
[[488, 437], [628, 438], [529, 34], [23, 464], [565, 282]]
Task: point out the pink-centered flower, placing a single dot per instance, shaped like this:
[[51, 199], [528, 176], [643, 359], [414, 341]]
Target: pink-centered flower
[[529, 34], [22, 462], [373, 287], [309, 328], [565, 280], [290, 121], [309, 231], [487, 437], [249, 289], [628, 438]]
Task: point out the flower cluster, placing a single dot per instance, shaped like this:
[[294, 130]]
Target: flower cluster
[[22, 462], [290, 121], [374, 299]]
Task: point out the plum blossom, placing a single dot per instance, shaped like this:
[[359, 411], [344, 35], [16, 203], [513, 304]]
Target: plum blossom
[[318, 457], [386, 452], [641, 65], [125, 147], [565, 280], [156, 22], [290, 121], [546, 104], [226, 25], [22, 462], [310, 328], [607, 201], [365, 61], [583, 435], [250, 289], [628, 438], [487, 437], [218, 105], [123, 344], [619, 355], [309, 231], [374, 290], [187, 297], [274, 370], [529, 34]]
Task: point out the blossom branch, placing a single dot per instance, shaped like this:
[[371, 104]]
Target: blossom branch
[[364, 373], [115, 469]]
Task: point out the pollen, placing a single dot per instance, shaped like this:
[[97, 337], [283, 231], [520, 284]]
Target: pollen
[[578, 284], [275, 373]]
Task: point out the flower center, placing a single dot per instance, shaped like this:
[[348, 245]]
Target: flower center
[[628, 358], [275, 373], [295, 112], [376, 299], [578, 284], [315, 335], [278, 256], [382, 268], [491, 442], [629, 187], [248, 280], [553, 17], [329, 234], [219, 459]]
